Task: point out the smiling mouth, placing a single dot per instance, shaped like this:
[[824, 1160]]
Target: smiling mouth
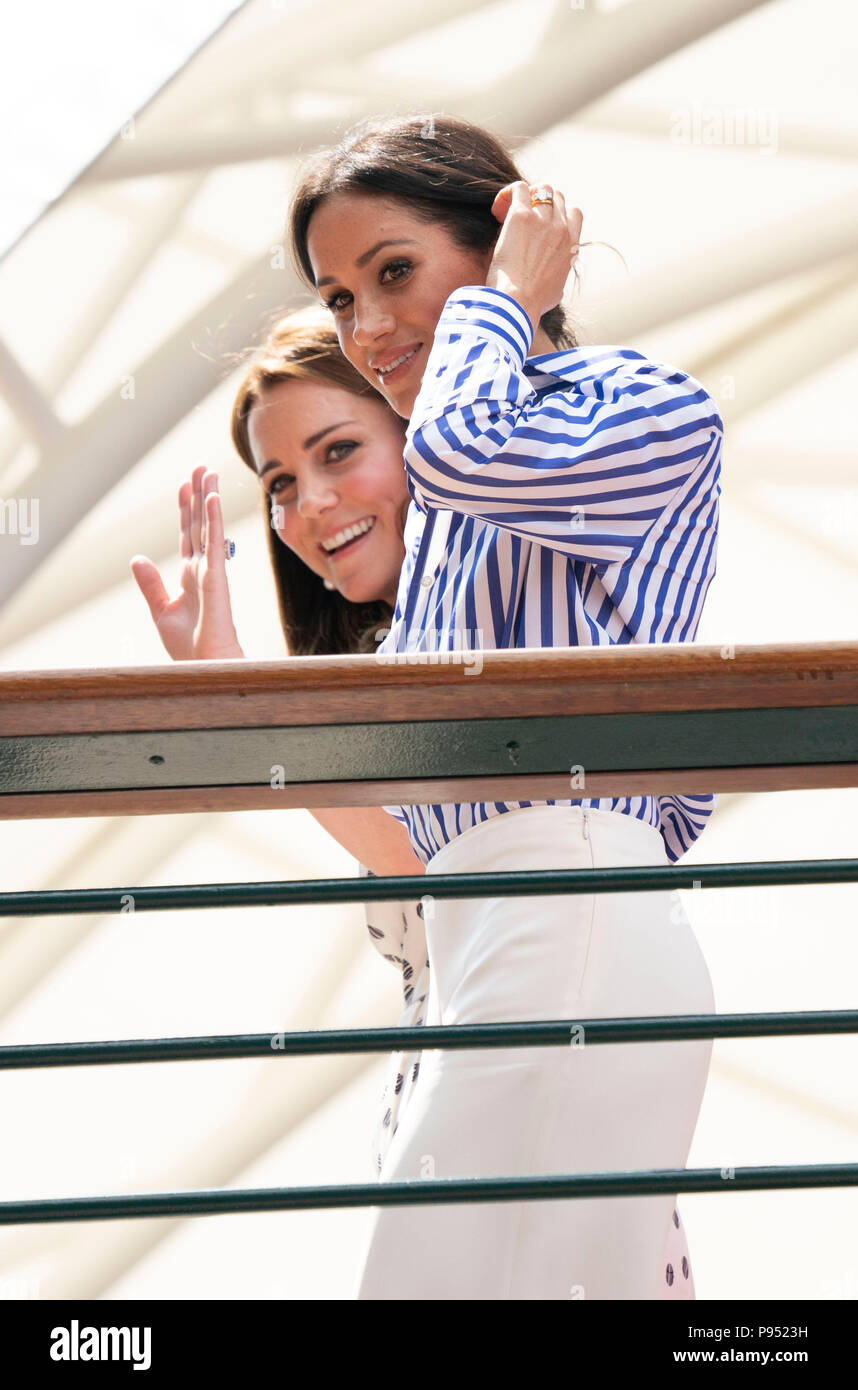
[[398, 367], [351, 541]]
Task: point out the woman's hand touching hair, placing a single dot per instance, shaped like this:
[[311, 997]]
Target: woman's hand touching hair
[[197, 624], [535, 249]]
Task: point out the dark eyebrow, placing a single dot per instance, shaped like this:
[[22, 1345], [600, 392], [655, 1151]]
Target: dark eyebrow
[[308, 444], [367, 256]]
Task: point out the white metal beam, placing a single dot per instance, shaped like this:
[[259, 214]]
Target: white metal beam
[[828, 549], [792, 137], [833, 469], [563, 78], [30, 406], [150, 232], [165, 386], [714, 275], [792, 343], [565, 74], [282, 55]]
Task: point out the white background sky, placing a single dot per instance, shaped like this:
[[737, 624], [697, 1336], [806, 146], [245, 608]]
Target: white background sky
[[72, 75]]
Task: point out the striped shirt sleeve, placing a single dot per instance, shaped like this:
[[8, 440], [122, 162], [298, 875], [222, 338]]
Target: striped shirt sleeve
[[587, 469]]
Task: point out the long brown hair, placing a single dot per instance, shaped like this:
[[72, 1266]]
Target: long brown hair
[[447, 170], [303, 346]]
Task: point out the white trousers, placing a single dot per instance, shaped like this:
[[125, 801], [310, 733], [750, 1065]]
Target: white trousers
[[488, 1112]]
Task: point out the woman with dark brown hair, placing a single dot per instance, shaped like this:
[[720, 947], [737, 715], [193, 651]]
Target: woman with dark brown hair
[[561, 496]]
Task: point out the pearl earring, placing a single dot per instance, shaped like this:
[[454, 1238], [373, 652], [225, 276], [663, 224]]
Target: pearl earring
[[328, 585]]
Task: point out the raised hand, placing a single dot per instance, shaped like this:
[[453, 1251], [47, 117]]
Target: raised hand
[[197, 624], [535, 248]]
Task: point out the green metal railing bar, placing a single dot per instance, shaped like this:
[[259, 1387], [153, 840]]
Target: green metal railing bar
[[545, 1187], [700, 740], [524, 883], [550, 1033]]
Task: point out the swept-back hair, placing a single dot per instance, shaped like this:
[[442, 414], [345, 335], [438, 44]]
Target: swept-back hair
[[445, 169]]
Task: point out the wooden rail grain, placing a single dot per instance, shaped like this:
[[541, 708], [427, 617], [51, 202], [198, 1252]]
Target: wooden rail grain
[[318, 690], [533, 684]]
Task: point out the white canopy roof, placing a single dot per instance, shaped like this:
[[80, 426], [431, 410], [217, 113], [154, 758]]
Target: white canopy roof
[[714, 145]]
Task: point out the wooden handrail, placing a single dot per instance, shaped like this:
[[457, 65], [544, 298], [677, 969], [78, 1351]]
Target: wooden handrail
[[319, 690], [512, 726]]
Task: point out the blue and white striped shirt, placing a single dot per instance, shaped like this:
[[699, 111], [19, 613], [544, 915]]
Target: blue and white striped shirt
[[567, 499]]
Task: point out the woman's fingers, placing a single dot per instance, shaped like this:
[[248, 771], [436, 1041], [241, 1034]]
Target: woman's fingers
[[150, 584], [186, 548], [502, 202], [547, 211], [216, 635], [533, 255], [213, 518], [572, 220], [197, 537], [556, 211], [522, 194]]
